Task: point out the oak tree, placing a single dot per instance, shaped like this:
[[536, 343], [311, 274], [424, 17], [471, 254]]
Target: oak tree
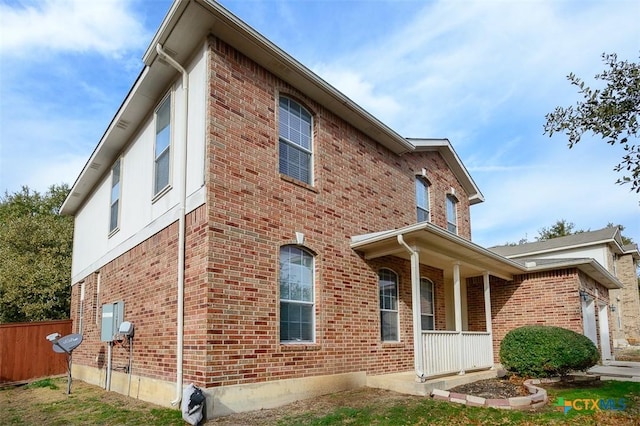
[[35, 253]]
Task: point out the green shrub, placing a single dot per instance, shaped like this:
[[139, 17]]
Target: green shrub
[[543, 351]]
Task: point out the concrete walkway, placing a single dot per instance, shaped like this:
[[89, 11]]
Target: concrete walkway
[[617, 370]]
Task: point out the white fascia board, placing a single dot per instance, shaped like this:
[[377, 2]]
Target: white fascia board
[[589, 266]]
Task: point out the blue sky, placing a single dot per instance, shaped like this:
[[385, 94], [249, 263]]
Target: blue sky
[[481, 73]]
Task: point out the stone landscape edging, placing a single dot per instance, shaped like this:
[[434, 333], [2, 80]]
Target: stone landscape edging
[[538, 397]]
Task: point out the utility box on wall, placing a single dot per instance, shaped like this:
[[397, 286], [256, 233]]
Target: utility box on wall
[[112, 317]]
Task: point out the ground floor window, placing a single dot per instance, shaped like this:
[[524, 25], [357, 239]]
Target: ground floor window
[[296, 295], [426, 304], [389, 323]]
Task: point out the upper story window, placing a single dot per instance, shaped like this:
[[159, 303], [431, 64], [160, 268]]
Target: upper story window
[[114, 218], [426, 304], [296, 147], [296, 295], [422, 199], [163, 146], [389, 321], [452, 214]]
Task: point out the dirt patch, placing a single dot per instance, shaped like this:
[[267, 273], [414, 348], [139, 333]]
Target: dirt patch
[[319, 406], [494, 388], [367, 397], [628, 354]]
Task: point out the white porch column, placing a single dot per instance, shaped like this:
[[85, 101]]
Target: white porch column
[[457, 302], [457, 305], [418, 357], [487, 309]]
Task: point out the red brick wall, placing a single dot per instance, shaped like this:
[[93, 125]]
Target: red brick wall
[[545, 298], [145, 279], [359, 187]]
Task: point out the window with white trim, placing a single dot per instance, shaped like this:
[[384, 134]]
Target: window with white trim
[[452, 214], [296, 149], [162, 162], [114, 218], [389, 319], [426, 304], [81, 309], [297, 317], [422, 199]]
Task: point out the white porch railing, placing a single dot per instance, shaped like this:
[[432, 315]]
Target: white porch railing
[[446, 352]]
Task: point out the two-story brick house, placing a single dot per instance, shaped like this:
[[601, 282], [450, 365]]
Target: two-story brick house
[[270, 240]]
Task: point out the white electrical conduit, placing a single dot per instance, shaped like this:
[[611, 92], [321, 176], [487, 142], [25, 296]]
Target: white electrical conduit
[[181, 221], [415, 296]]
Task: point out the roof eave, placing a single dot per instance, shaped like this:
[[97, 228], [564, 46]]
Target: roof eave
[[185, 26], [589, 266], [444, 147]]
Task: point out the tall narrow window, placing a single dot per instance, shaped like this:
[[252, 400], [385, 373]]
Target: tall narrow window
[[163, 146], [426, 304], [389, 323], [96, 299], [296, 295], [295, 141], [114, 220], [81, 309], [422, 199], [452, 214]]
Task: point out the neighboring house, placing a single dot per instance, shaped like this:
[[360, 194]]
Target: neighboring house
[[270, 240], [606, 247]]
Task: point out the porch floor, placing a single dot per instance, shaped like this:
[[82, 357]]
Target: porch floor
[[406, 383]]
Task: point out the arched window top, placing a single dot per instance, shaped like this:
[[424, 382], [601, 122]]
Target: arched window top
[[387, 272]]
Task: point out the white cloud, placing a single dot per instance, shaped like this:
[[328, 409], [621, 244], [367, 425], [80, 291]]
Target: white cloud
[[354, 86], [105, 26]]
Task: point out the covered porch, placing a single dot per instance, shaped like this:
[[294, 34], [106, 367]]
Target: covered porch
[[463, 340]]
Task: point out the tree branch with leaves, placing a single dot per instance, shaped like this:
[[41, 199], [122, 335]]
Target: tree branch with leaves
[[611, 112]]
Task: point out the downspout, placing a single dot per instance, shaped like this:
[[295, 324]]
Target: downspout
[[181, 223], [415, 298]]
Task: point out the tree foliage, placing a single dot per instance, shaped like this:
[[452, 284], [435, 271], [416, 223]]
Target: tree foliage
[[612, 113], [35, 248], [562, 228]]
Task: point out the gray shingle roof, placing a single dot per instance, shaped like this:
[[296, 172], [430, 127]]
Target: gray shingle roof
[[583, 238]]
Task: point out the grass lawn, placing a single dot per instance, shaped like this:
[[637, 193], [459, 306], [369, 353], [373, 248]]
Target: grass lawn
[[46, 403], [429, 412]]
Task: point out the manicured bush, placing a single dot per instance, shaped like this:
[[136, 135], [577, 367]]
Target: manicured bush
[[544, 351]]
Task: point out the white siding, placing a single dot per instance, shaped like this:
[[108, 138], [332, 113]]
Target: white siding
[[140, 215], [598, 253]]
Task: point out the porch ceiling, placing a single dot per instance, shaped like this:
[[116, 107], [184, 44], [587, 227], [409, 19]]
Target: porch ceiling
[[438, 248]]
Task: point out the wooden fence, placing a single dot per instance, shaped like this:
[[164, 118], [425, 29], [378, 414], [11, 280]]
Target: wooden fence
[[26, 354]]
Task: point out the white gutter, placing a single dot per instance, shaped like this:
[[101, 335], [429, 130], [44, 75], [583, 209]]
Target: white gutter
[[415, 305], [181, 220]]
